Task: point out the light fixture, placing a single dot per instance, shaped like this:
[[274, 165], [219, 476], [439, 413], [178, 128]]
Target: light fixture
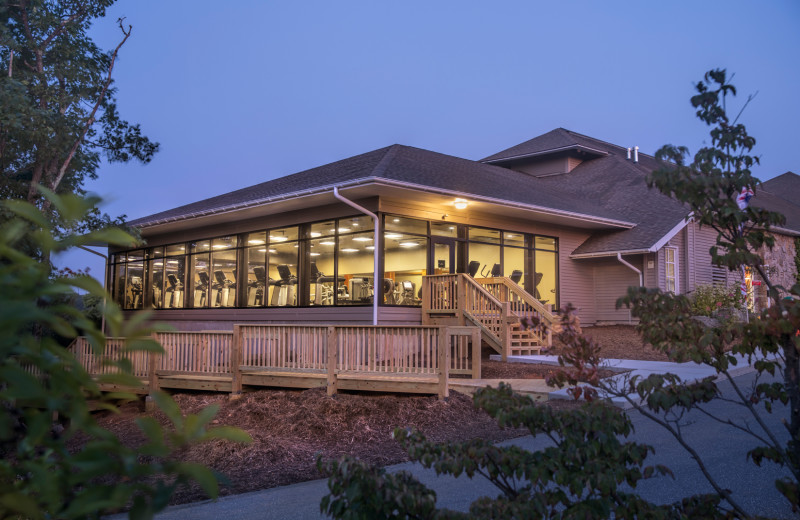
[[362, 239], [264, 251], [327, 243], [315, 234], [393, 236], [255, 241], [344, 229], [272, 251], [314, 254], [349, 250], [396, 220], [370, 248], [461, 203], [220, 246], [279, 238], [409, 244]]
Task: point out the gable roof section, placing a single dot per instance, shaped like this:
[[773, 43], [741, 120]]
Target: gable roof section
[[781, 194], [409, 166], [558, 140]]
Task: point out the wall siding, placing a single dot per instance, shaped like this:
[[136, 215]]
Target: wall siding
[[611, 281]]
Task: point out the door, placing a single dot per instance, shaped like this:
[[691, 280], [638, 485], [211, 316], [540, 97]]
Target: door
[[443, 255]]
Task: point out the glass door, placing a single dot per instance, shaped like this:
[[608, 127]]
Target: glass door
[[443, 255]]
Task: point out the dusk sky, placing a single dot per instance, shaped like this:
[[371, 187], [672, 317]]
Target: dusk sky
[[238, 93]]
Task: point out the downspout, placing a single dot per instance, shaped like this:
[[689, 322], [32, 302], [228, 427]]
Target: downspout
[[638, 271], [105, 280], [375, 252]]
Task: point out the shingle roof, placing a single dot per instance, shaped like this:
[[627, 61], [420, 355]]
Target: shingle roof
[[404, 164], [558, 139], [781, 194]]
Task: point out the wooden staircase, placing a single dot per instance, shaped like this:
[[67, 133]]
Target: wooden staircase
[[496, 305]]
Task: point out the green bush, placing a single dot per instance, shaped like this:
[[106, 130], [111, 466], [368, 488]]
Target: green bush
[[708, 299], [44, 391]]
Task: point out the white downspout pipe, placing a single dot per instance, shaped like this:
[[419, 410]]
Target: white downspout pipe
[[626, 264], [638, 271], [376, 252]]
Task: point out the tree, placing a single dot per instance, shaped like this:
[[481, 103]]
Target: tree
[[561, 482], [58, 115], [41, 476]]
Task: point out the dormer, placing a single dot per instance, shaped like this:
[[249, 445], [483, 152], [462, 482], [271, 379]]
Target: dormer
[[554, 153]]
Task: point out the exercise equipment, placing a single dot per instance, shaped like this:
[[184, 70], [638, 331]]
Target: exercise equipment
[[174, 292], [516, 275], [201, 289], [284, 292], [223, 290]]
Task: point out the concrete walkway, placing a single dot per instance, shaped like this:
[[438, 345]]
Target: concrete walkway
[[628, 368]]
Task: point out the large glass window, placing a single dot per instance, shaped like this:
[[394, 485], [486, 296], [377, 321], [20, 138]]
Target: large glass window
[[175, 276], [282, 267], [545, 277], [484, 252], [355, 283], [155, 272], [200, 279], [405, 260], [223, 272], [256, 278]]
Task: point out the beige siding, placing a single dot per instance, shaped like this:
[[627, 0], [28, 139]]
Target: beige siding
[[650, 270], [611, 281], [704, 240], [679, 243]]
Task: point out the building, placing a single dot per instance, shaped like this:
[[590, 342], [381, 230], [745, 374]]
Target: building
[[567, 217]]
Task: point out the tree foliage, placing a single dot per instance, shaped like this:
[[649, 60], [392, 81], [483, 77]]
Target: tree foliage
[[58, 112], [42, 473], [581, 475]]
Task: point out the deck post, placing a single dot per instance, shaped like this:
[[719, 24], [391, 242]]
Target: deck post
[[333, 358], [506, 320], [444, 362], [236, 363], [461, 296], [152, 377], [476, 353], [426, 298]]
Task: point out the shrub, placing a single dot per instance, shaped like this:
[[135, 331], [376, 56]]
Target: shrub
[[708, 299]]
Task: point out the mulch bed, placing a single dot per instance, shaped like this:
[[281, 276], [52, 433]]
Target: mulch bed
[[290, 427], [620, 342]]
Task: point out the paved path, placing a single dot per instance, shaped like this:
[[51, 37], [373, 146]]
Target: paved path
[[723, 449]]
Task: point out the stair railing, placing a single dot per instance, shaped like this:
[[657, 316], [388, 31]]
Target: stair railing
[[523, 305]]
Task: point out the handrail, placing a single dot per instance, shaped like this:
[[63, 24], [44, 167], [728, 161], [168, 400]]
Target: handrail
[[524, 295]]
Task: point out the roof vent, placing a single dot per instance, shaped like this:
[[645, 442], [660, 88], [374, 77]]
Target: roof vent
[[636, 154], [629, 153]]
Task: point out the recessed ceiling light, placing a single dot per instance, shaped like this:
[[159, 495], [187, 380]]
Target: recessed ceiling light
[[264, 251], [315, 234], [370, 248], [220, 246], [409, 244], [362, 239], [314, 254], [255, 241], [349, 250], [344, 229], [272, 251], [327, 243], [396, 220], [279, 238], [393, 236]]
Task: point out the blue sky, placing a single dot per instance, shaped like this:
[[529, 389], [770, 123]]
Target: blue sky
[[238, 93]]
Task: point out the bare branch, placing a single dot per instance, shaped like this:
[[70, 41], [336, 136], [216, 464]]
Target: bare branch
[[91, 119]]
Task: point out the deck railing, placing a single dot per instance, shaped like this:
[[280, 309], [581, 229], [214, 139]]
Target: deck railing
[[401, 351]]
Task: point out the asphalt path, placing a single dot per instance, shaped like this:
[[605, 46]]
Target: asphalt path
[[723, 449]]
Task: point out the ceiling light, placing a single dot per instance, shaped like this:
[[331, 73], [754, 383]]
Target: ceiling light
[[264, 251], [362, 239], [370, 248], [327, 243], [255, 241], [451, 228], [393, 236], [344, 229], [272, 251], [461, 203], [314, 254], [396, 220], [349, 250], [315, 234], [409, 244], [220, 246]]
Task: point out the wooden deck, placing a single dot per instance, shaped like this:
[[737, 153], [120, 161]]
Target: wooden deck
[[405, 359]]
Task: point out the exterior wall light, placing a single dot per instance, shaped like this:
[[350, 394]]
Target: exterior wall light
[[461, 203]]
